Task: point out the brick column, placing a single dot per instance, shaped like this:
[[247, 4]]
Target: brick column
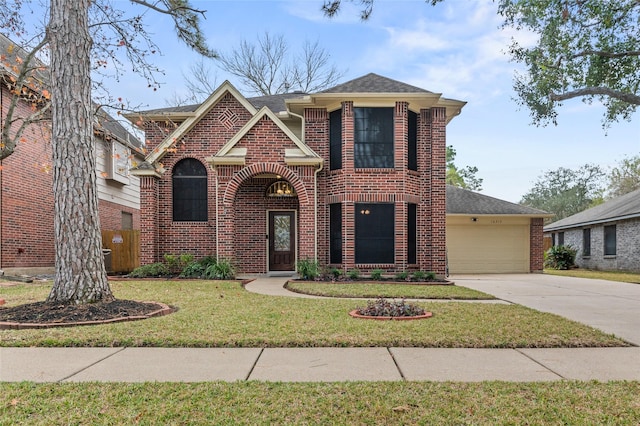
[[148, 220], [438, 190], [536, 245]]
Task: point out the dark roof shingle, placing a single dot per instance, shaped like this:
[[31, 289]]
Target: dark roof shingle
[[623, 207], [463, 201]]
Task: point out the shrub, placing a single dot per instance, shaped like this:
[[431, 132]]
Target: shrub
[[390, 308], [150, 270], [376, 274], [308, 269], [402, 276], [176, 263], [560, 257], [418, 276], [354, 274], [220, 270], [196, 269], [335, 273]]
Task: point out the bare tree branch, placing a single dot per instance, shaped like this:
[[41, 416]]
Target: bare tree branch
[[597, 91]]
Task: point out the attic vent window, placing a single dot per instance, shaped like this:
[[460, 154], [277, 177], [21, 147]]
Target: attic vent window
[[228, 118], [281, 188]]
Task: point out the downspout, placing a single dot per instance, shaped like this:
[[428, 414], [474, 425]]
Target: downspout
[[315, 190], [1, 173], [217, 216]]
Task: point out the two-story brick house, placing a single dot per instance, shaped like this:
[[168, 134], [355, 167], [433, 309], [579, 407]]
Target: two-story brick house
[[353, 176]]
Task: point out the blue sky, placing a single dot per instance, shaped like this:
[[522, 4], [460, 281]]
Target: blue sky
[[455, 48]]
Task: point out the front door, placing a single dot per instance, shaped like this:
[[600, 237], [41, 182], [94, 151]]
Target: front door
[[282, 241]]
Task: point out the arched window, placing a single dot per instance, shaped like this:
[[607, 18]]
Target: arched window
[[189, 191]]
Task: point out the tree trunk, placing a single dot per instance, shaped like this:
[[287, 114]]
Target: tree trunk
[[80, 272]]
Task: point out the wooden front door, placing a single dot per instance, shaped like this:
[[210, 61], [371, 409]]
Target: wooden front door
[[282, 241]]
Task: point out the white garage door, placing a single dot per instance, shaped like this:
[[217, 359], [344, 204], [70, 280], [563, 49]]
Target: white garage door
[[487, 248]]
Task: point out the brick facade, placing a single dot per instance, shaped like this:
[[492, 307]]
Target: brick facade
[[236, 226], [26, 199]]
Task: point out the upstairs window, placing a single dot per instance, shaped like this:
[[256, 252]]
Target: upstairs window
[[189, 191], [373, 138], [412, 149], [335, 140]]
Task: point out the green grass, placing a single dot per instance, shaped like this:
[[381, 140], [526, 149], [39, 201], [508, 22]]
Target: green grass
[[626, 277], [397, 291], [223, 314], [423, 403]]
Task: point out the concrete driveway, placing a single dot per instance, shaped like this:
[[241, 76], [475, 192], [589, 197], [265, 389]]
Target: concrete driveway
[[609, 306]]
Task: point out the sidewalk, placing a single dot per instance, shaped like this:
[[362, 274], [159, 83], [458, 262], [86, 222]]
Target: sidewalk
[[316, 364], [347, 364]]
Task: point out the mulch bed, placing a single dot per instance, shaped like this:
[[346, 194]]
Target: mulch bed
[[54, 314]]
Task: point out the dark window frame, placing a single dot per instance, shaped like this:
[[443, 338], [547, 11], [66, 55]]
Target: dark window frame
[[374, 233], [335, 140], [335, 233], [610, 240], [190, 191], [560, 238], [373, 138], [586, 242], [412, 140], [412, 233]]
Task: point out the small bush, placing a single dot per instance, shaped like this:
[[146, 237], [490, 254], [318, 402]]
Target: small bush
[[221, 270], [176, 263], [335, 273], [308, 269], [354, 274], [376, 274], [402, 276], [150, 270], [418, 276], [390, 308], [560, 257]]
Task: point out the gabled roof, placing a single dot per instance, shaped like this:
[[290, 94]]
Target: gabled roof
[[464, 202], [375, 90], [624, 207], [374, 83], [194, 118], [302, 154]]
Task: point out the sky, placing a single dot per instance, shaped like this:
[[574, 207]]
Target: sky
[[455, 48]]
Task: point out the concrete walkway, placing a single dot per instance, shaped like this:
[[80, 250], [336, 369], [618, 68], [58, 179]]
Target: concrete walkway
[[602, 304]]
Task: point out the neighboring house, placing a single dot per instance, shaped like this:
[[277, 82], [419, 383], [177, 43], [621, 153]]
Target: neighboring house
[[26, 181], [353, 176], [488, 235], [607, 236]]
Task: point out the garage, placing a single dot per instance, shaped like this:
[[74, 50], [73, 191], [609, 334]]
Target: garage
[[487, 245], [489, 235]]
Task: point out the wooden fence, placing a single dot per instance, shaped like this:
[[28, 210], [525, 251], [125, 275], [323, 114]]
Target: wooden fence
[[125, 250]]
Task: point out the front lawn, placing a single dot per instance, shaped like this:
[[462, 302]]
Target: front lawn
[[223, 314], [378, 403], [625, 277], [398, 291]]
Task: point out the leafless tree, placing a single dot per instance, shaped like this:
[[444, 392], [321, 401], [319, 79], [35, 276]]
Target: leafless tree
[[266, 68]]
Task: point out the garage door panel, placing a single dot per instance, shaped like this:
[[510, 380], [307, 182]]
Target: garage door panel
[[488, 249]]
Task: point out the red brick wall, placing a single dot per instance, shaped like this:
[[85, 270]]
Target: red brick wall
[[239, 191], [26, 199], [26, 225], [111, 215], [536, 245]]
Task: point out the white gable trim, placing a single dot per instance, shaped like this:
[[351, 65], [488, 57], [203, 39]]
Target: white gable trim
[[225, 151], [190, 122]]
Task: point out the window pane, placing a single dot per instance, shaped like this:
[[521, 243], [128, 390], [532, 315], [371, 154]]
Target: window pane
[[560, 238], [610, 240], [189, 191], [373, 137], [586, 242], [412, 240], [335, 140], [413, 141], [335, 231], [375, 232]]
